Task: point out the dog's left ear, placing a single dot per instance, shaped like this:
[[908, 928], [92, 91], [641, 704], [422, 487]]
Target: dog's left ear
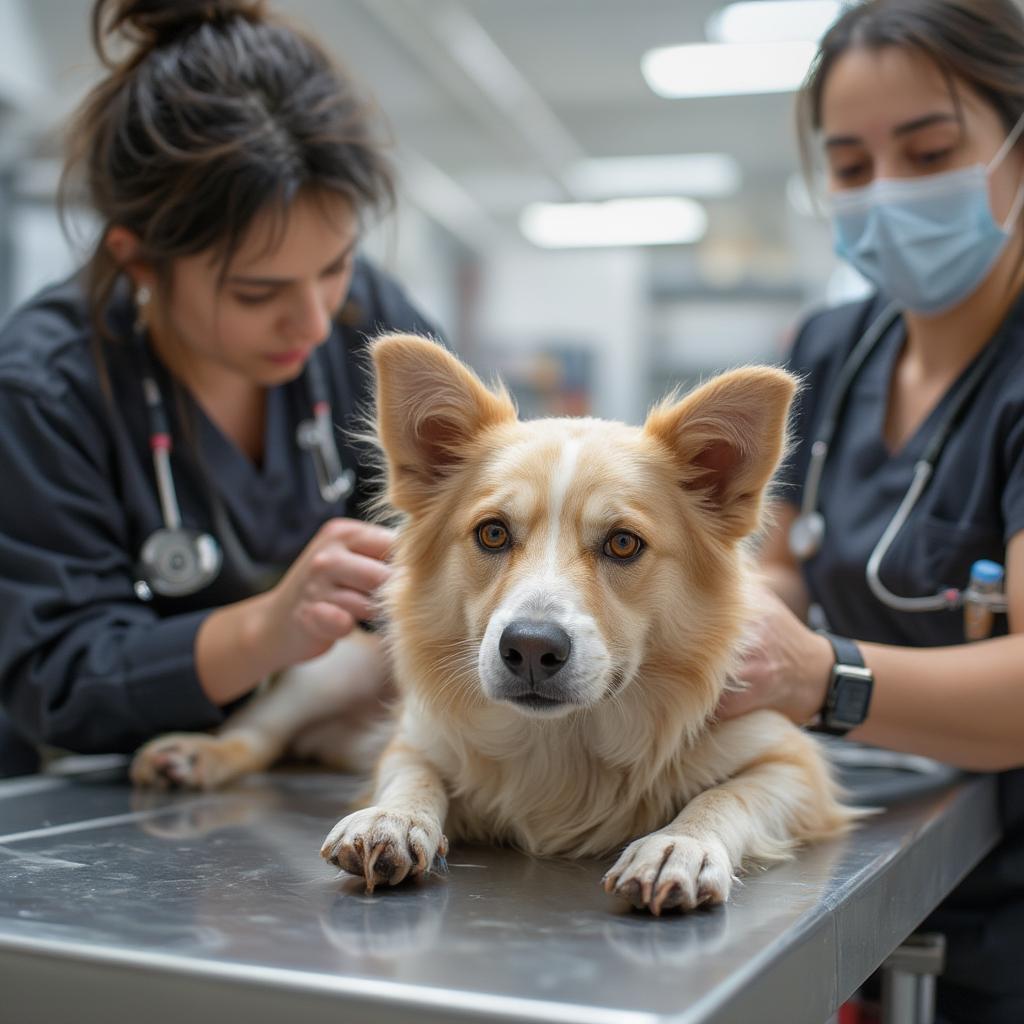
[[727, 438], [430, 409]]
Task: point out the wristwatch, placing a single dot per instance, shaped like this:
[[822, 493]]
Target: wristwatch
[[849, 688]]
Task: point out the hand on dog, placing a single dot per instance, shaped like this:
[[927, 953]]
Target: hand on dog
[[326, 592], [786, 665]]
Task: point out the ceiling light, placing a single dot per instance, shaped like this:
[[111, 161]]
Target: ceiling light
[[772, 21], [689, 174], [616, 222], [727, 69]]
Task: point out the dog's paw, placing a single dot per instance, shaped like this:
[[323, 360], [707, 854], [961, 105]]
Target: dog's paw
[[664, 871], [385, 846], [186, 760]]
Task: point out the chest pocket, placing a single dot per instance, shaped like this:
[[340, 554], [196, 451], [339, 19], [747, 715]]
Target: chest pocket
[[936, 553]]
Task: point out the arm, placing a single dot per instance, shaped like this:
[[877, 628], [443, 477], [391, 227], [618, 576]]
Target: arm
[[321, 599], [780, 571], [83, 664], [963, 704]]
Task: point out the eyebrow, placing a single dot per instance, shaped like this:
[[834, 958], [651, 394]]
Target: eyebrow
[[901, 129], [268, 282]]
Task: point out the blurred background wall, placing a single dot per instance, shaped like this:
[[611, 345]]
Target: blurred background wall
[[594, 220]]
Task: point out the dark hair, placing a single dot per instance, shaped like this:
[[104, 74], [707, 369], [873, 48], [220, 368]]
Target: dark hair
[[977, 42], [216, 113]]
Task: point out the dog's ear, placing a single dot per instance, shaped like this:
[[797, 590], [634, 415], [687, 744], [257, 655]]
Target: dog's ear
[[727, 438], [430, 407]]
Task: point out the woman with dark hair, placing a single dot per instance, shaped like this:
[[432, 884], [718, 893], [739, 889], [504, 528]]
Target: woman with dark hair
[[177, 525], [902, 505]]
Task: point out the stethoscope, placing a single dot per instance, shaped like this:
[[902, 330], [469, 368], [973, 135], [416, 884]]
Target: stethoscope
[[175, 561], [807, 533]]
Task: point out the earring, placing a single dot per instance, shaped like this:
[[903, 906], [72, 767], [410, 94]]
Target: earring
[[142, 296]]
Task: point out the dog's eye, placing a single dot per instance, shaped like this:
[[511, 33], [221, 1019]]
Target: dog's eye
[[492, 536], [623, 545]]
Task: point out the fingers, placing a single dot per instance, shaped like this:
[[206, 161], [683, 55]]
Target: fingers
[[348, 569], [737, 702], [335, 615], [331, 588], [367, 539], [328, 621], [359, 606], [372, 540]]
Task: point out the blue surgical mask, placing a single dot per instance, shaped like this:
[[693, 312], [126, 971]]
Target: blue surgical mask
[[927, 242]]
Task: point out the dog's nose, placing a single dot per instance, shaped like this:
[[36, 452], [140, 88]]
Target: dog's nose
[[534, 650]]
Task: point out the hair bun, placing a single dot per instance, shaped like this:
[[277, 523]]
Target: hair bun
[[151, 23]]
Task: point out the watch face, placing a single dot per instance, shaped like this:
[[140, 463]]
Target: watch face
[[852, 696]]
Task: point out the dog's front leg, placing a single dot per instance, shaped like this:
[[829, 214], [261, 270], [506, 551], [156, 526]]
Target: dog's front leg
[[401, 834], [777, 792]]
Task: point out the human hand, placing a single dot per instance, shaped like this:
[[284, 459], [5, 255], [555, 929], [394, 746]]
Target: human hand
[[328, 589], [786, 666]]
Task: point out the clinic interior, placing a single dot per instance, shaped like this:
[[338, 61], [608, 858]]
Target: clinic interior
[[501, 113]]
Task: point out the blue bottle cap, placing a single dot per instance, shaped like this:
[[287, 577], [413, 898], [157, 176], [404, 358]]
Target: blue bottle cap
[[986, 571]]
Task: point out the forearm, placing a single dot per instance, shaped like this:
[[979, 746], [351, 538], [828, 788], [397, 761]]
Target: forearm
[[779, 570], [231, 653], [103, 685], [789, 585], [963, 704]]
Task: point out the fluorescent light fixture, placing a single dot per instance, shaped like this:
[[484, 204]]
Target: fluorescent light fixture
[[703, 175], [727, 69], [662, 220], [772, 21]]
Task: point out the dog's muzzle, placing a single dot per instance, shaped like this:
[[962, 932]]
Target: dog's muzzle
[[534, 652]]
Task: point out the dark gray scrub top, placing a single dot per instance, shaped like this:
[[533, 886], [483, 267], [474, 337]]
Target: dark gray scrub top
[[972, 507], [84, 664]]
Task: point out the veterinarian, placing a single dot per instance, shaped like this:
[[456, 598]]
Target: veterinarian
[[177, 519], [908, 468]]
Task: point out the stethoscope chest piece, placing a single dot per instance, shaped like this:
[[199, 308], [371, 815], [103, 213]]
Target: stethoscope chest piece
[[177, 561], [806, 535]]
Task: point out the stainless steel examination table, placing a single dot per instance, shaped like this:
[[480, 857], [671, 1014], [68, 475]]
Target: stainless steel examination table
[[183, 907]]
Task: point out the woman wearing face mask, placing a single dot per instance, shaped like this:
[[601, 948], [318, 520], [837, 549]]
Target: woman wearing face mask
[[918, 106], [179, 488]]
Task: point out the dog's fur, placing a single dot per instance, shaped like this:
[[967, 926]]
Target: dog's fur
[[599, 732]]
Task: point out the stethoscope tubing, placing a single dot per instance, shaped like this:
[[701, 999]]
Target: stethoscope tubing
[[949, 598], [160, 447], [315, 435]]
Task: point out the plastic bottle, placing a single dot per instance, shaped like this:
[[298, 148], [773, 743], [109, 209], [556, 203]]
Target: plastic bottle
[[986, 578]]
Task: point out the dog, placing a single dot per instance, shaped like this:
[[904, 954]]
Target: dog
[[568, 607]]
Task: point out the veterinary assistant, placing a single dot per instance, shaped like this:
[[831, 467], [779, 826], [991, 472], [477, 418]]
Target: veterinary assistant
[[908, 475], [174, 418]]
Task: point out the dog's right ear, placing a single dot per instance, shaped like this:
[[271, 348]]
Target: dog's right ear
[[727, 438], [430, 408]]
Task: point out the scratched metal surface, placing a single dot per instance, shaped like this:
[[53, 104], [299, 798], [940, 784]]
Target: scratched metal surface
[[114, 903]]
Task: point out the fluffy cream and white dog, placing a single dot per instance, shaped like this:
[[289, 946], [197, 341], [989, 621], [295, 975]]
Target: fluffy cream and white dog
[[568, 606]]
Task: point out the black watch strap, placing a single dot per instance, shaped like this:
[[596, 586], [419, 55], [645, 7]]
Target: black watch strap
[[849, 688], [846, 650]]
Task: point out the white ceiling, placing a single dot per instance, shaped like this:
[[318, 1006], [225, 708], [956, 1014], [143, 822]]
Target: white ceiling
[[571, 87]]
